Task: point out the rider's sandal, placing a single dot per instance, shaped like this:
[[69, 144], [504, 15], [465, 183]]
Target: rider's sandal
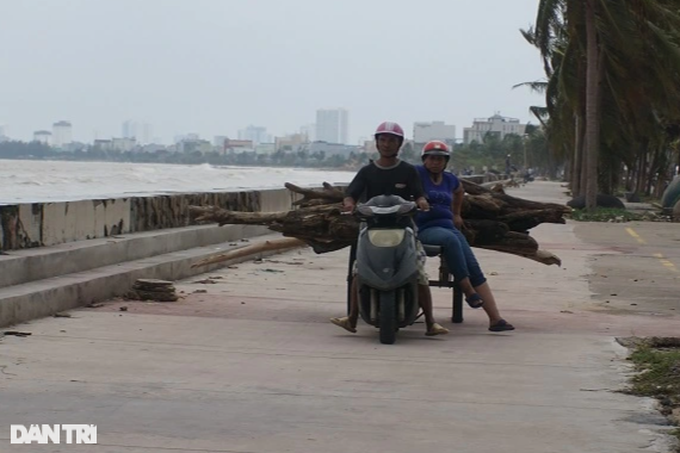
[[344, 323], [502, 326], [475, 301], [436, 329]]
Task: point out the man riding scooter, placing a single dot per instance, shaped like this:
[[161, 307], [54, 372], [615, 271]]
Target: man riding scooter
[[389, 175]]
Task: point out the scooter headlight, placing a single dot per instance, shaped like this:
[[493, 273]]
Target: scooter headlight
[[386, 238]]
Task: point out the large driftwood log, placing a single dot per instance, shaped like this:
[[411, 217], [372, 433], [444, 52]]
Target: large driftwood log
[[493, 220]]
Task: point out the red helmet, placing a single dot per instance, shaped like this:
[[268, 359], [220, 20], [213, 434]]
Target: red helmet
[[436, 148], [390, 128]]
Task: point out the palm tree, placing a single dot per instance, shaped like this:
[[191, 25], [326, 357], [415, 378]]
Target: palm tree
[[592, 126], [613, 84]]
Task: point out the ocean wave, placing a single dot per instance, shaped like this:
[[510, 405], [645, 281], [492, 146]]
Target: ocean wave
[[35, 181]]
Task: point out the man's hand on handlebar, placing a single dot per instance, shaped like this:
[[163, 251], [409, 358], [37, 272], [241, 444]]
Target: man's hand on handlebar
[[348, 205], [423, 205]]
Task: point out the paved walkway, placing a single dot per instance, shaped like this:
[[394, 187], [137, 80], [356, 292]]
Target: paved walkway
[[253, 365]]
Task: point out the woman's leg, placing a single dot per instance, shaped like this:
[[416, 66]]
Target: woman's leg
[[479, 282], [489, 306], [453, 255]]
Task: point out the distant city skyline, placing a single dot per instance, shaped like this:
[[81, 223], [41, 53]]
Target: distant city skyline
[[142, 131], [211, 68]]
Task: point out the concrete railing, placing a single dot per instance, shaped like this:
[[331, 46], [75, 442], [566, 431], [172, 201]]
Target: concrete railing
[[32, 225]]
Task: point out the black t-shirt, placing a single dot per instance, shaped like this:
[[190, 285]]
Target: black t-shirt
[[402, 180]]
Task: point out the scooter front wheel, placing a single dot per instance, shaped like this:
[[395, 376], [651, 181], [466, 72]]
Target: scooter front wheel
[[388, 317]]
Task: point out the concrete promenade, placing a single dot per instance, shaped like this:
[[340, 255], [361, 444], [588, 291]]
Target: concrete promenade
[[247, 362]]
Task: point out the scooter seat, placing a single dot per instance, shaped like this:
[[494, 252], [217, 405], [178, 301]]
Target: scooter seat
[[432, 250]]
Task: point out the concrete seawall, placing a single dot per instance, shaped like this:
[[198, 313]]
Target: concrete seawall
[[63, 255], [60, 256], [24, 226], [33, 225]]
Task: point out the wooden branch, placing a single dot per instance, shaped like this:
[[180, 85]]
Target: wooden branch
[[223, 217], [253, 249], [329, 194], [541, 256]]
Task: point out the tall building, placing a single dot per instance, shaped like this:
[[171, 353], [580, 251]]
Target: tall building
[[496, 125], [128, 129], [44, 137], [256, 134], [141, 132], [3, 134], [332, 126], [61, 133], [423, 132]]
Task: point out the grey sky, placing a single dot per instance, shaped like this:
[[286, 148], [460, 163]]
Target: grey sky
[[215, 66]]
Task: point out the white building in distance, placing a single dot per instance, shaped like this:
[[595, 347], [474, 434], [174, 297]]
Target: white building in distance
[[61, 133], [423, 132], [256, 134], [332, 126], [141, 132], [496, 125], [123, 143], [44, 137]]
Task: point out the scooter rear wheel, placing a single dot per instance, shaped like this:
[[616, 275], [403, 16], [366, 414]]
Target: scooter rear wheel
[[388, 317]]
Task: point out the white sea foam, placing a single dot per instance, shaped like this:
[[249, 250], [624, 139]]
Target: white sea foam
[[23, 181]]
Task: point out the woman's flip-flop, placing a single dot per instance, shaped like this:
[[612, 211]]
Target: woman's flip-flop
[[502, 326], [475, 301]]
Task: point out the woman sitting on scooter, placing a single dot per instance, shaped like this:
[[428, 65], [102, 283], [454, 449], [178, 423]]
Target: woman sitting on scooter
[[440, 226]]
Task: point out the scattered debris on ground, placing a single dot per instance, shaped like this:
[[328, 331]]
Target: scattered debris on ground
[[617, 215], [657, 363], [152, 289], [62, 315], [16, 333], [292, 263], [206, 281]]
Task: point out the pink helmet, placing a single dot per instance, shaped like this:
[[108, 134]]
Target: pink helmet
[[391, 128]]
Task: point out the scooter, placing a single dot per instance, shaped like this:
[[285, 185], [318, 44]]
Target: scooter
[[387, 270]]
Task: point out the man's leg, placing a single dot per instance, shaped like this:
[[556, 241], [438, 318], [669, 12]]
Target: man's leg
[[425, 302], [349, 323], [425, 295]]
